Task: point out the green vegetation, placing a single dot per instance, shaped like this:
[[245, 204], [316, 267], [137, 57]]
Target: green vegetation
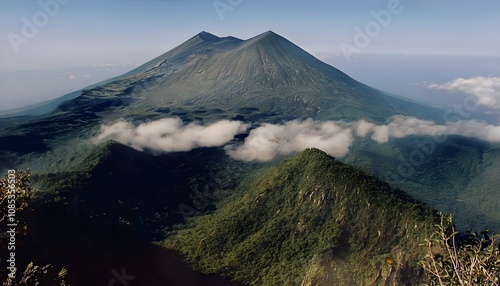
[[21, 200], [458, 177], [36, 275], [471, 260], [14, 187], [311, 221], [265, 79], [97, 230]]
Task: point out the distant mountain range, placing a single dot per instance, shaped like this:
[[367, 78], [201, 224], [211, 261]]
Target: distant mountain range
[[262, 80]]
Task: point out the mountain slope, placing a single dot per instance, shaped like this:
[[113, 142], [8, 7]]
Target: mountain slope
[[265, 79], [143, 189], [456, 177], [311, 221], [262, 79], [266, 72], [482, 193]]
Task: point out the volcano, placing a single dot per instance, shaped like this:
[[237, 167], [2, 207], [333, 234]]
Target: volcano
[[107, 202], [267, 72], [267, 76], [264, 79]]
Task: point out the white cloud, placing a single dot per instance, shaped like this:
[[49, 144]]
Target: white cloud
[[72, 77], [335, 138], [170, 134], [485, 89], [403, 126], [363, 127], [475, 128], [269, 140]]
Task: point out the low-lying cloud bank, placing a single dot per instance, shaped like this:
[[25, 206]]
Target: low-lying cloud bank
[[269, 140], [403, 126], [485, 89], [171, 135]]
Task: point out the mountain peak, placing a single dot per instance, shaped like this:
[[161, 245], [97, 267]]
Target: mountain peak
[[269, 33], [211, 38], [311, 206], [208, 37], [268, 36], [212, 71]]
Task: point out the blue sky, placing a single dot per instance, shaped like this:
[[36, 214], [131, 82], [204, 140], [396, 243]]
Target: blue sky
[[85, 41]]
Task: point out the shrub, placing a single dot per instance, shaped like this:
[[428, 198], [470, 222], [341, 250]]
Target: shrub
[[16, 191], [467, 258]]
